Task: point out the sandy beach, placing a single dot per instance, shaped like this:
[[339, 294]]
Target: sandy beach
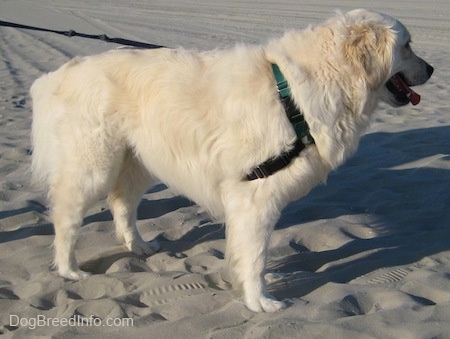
[[365, 256]]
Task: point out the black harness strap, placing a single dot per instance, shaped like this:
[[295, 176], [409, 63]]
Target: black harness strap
[[71, 33], [274, 165]]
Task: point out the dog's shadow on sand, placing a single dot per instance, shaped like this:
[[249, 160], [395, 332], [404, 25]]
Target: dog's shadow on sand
[[401, 180]]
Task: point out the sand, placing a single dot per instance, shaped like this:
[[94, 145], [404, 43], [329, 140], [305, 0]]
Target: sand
[[366, 256]]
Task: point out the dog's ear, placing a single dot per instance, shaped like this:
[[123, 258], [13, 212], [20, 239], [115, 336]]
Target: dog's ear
[[369, 48]]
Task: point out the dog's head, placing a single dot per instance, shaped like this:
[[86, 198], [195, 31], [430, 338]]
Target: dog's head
[[378, 47]]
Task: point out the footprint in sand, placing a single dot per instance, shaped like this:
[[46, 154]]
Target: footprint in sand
[[385, 276]]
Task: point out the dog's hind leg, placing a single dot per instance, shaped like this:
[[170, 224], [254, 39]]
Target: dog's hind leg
[[250, 219], [124, 198], [81, 176], [69, 204]]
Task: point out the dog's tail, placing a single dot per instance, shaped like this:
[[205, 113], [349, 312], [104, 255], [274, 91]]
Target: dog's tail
[[44, 143]]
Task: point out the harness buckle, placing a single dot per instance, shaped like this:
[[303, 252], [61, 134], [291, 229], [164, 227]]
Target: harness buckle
[[260, 172]]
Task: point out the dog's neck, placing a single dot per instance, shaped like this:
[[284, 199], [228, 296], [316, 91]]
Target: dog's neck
[[299, 124]]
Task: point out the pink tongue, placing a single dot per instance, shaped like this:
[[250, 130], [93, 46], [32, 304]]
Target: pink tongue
[[412, 96]]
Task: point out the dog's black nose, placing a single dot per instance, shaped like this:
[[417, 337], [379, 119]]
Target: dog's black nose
[[430, 69]]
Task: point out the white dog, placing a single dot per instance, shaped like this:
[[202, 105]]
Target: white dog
[[214, 126]]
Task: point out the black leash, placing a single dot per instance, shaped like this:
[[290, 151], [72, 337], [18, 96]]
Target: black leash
[[71, 33]]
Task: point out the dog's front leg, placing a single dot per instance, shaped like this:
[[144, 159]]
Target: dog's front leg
[[249, 221]]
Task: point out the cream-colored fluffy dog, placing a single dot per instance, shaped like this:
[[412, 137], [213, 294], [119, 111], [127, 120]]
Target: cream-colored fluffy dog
[[201, 122]]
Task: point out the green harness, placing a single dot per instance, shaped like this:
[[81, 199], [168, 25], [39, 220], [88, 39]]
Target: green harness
[[299, 123]]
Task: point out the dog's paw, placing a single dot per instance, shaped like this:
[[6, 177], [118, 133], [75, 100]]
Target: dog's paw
[[265, 304], [73, 274], [143, 248]]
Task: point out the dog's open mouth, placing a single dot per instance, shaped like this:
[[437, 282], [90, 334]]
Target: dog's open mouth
[[401, 91]]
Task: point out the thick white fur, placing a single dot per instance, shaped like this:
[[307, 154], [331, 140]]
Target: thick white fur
[[117, 122]]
